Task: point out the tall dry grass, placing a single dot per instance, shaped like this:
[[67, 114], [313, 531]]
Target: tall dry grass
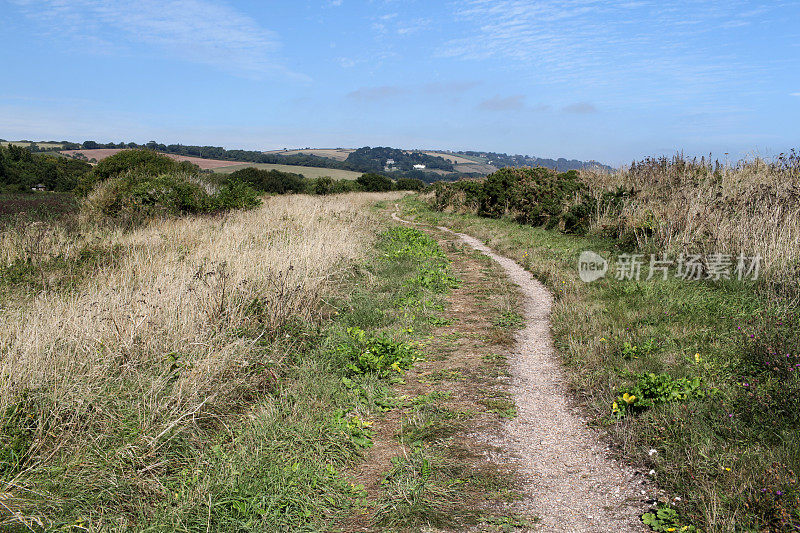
[[751, 208], [148, 339]]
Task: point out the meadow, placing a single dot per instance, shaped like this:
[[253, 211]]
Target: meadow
[[180, 374]]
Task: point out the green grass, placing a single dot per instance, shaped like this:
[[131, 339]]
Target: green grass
[[308, 172], [732, 453]]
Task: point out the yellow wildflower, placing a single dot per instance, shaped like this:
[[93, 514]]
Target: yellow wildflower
[[628, 398], [697, 358]]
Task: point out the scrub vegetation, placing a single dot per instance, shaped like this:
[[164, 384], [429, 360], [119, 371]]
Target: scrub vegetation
[[696, 380]]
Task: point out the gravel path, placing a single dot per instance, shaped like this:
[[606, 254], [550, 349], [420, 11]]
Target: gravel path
[[570, 482]]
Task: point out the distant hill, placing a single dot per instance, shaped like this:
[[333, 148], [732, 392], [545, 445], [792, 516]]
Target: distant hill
[[561, 165], [427, 165]]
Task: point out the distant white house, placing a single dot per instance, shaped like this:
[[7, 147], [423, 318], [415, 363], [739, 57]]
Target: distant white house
[[419, 167], [389, 162]]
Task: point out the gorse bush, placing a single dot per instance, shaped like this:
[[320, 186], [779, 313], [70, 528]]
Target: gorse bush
[[135, 185], [536, 196], [144, 162], [135, 198], [410, 184]]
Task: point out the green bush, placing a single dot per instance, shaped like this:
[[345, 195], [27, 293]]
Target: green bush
[[372, 182], [409, 184], [322, 185], [269, 181], [134, 198], [535, 196], [146, 162], [235, 196]]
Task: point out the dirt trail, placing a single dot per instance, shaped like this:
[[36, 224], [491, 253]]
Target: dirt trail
[[570, 483]]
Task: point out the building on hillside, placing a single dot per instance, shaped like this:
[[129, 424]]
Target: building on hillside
[[39, 187], [419, 167]]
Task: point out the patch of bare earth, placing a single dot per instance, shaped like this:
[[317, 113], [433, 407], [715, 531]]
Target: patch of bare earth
[[466, 370]]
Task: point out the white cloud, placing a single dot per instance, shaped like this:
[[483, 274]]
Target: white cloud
[[794, 94], [200, 31]]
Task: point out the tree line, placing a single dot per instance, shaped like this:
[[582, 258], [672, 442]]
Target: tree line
[[21, 170]]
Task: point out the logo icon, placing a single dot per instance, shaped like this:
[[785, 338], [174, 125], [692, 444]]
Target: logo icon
[[591, 266]]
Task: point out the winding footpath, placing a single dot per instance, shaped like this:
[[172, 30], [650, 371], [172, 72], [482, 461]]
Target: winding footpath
[[570, 482]]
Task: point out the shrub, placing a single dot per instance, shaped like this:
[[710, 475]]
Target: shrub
[[236, 196], [341, 186], [536, 196], [145, 162], [269, 181], [323, 185], [410, 184], [135, 198], [372, 182]]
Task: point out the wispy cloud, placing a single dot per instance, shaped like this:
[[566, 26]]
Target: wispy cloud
[[373, 94], [580, 108], [609, 43], [200, 31], [508, 103], [795, 94], [449, 87]]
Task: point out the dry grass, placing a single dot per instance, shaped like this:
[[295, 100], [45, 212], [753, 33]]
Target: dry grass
[[177, 291], [752, 207]]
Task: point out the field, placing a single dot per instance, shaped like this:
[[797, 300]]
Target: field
[[43, 145], [475, 168], [101, 153], [339, 154], [456, 159], [308, 172]]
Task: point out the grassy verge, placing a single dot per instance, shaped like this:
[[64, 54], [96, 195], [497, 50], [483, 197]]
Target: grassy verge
[[236, 410], [703, 376], [430, 467]]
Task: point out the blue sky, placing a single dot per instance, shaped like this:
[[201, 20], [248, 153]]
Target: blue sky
[[605, 80]]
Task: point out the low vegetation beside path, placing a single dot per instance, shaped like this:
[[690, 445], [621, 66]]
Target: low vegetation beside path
[[696, 378]]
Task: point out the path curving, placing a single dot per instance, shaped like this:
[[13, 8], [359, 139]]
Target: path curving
[[570, 482]]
